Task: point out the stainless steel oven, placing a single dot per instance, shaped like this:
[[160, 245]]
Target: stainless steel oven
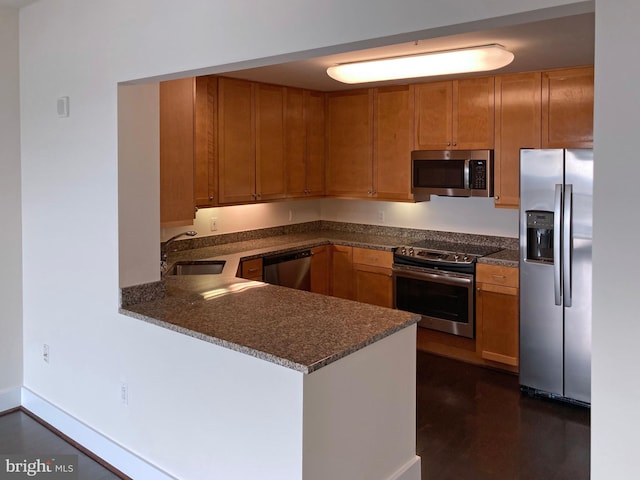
[[437, 281]]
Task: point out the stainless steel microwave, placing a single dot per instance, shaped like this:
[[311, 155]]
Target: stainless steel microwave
[[451, 173]]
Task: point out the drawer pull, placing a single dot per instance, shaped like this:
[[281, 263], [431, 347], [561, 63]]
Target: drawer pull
[[502, 277]]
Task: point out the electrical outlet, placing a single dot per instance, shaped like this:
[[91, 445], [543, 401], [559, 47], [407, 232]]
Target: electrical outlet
[[214, 224], [45, 353], [290, 215], [381, 216], [124, 393]]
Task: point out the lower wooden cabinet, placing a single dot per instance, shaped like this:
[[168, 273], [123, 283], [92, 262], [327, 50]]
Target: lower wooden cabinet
[[372, 280], [321, 270], [342, 271], [251, 269], [497, 314]]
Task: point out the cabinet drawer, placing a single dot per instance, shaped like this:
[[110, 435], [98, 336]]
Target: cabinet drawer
[[376, 258], [252, 269], [497, 275]]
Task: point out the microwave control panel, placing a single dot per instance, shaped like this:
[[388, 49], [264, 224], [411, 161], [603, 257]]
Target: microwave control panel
[[478, 174]]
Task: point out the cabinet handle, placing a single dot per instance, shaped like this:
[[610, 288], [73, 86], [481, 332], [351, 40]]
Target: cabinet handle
[[211, 198], [454, 144], [448, 144], [502, 277], [251, 270], [496, 197]]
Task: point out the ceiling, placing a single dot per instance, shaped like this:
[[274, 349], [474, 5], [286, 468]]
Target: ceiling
[[557, 43]]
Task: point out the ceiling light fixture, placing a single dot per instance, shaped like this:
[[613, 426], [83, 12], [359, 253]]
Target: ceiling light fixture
[[472, 59]]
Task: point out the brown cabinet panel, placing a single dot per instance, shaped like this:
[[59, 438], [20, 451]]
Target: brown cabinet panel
[[342, 271], [433, 116], [349, 143], [304, 142], [473, 113], [252, 269], [177, 117], [393, 142], [567, 108], [205, 178], [497, 314], [518, 125], [373, 285], [321, 270], [236, 149], [269, 160]]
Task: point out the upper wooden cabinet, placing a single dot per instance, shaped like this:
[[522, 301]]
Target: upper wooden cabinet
[[457, 114], [369, 142], [304, 142], [517, 126], [250, 141], [350, 143], [392, 142], [177, 119], [205, 149], [567, 108]]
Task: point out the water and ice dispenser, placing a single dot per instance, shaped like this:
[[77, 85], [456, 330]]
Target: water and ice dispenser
[[539, 236]]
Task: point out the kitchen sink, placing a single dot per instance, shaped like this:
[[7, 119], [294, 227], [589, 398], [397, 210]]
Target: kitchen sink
[[197, 267]]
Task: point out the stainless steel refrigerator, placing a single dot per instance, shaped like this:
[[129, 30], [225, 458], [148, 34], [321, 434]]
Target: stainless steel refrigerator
[[556, 193]]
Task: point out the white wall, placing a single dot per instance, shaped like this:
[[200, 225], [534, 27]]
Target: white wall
[[616, 325], [10, 245], [70, 184]]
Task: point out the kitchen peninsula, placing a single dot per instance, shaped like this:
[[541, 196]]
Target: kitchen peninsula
[[328, 384]]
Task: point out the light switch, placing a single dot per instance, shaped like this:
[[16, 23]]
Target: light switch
[[63, 107]]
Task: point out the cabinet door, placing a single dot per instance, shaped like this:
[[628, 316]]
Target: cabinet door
[[498, 308], [393, 141], [321, 270], [373, 285], [473, 113], [567, 108], [517, 126], [177, 152], [349, 143], [295, 143], [252, 269], [342, 271], [270, 163], [236, 137], [433, 116], [314, 113], [206, 180]]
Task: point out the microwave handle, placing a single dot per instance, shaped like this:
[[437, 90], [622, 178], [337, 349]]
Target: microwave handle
[[467, 185]]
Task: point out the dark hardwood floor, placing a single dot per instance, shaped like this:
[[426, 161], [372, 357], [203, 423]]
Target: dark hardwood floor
[[473, 423], [19, 433]]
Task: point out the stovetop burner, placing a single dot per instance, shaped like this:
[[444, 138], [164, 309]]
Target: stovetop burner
[[444, 252]]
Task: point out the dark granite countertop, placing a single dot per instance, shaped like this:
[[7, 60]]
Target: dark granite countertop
[[507, 258], [296, 329]]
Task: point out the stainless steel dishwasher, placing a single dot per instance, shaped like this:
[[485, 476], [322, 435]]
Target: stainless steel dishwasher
[[291, 270]]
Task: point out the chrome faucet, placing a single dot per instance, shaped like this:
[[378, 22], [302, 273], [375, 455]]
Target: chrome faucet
[[164, 249]]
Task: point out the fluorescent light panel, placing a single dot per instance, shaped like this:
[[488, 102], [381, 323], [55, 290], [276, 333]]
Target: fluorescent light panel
[[473, 59]]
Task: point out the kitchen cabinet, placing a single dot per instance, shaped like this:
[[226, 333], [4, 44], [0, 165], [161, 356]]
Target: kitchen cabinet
[[321, 269], [372, 277], [304, 142], [205, 153], [251, 269], [518, 125], [251, 141], [369, 143], [567, 108], [342, 271], [457, 114], [497, 314], [177, 118], [392, 142], [349, 130]]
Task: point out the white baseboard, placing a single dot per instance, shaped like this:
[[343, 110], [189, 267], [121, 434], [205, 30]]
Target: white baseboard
[[409, 471], [105, 448], [10, 398]]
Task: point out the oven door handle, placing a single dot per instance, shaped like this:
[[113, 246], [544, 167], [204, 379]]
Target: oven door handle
[[440, 277]]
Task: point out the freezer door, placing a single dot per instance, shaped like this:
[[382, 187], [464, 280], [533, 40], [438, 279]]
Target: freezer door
[[541, 320], [577, 314]]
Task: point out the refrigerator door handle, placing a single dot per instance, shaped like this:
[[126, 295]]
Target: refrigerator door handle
[[557, 271], [566, 243]]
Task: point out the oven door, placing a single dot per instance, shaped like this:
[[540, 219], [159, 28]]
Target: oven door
[[444, 299]]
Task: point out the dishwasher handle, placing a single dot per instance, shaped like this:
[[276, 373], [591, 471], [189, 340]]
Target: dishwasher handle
[[285, 257]]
